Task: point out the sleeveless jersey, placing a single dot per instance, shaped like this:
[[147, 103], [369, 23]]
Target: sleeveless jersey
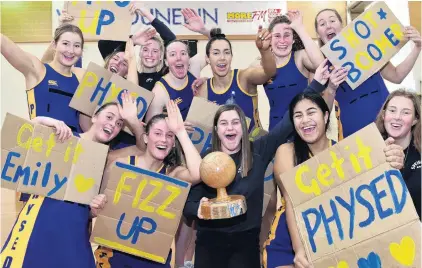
[[248, 102], [109, 258], [49, 233], [360, 107], [51, 97], [182, 96], [282, 88]]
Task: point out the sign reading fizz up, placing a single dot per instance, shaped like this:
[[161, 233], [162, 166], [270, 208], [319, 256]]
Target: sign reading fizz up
[[32, 161], [352, 209], [366, 44]]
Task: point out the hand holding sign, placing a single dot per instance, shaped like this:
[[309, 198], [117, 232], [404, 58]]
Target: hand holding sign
[[394, 154], [410, 33], [62, 131], [300, 260], [337, 76], [65, 17], [322, 74], [97, 204]]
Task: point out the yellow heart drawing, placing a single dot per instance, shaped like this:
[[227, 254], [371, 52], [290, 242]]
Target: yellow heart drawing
[[341, 264], [405, 252], [83, 184]]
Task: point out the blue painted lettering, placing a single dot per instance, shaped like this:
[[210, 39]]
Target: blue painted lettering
[[22, 226], [370, 52], [352, 70], [358, 29], [99, 89], [391, 37], [106, 18], [338, 48], [136, 228]]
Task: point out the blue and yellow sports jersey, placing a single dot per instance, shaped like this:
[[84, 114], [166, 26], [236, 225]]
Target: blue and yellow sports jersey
[[278, 248], [282, 88], [360, 106], [110, 258], [248, 102], [182, 96], [49, 233]]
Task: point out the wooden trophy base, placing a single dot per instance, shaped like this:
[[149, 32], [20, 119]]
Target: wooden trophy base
[[232, 206]]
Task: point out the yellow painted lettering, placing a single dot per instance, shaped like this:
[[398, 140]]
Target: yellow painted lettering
[[37, 144], [364, 153], [121, 186], [22, 129], [68, 151], [355, 163], [383, 43], [139, 191], [94, 22], [144, 204], [358, 62], [175, 192], [78, 150], [313, 188], [51, 142], [114, 92], [89, 80], [323, 172], [337, 164], [351, 38], [369, 17]]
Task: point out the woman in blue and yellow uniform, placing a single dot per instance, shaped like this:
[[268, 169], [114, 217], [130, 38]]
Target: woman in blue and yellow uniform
[[296, 56], [162, 155], [53, 233], [359, 107], [239, 85], [309, 114]]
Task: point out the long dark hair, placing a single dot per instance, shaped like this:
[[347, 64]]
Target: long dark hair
[[174, 158], [246, 155], [301, 148], [216, 34], [298, 44]]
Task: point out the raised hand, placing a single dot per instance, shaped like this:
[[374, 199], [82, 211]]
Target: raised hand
[[129, 50], [322, 74], [128, 110], [65, 17], [263, 39], [174, 118], [142, 37], [193, 20], [97, 204], [296, 19]]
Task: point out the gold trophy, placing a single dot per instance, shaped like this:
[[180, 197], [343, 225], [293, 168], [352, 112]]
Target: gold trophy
[[218, 170]]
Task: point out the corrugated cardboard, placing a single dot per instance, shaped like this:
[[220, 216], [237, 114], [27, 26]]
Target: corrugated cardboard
[[28, 150], [99, 86], [372, 30], [101, 19], [135, 194], [382, 204]]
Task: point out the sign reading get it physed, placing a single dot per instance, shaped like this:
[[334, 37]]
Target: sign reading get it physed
[[366, 44]]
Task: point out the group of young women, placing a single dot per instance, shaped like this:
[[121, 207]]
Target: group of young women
[[301, 88]]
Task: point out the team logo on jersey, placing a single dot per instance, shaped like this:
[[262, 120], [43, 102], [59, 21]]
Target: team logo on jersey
[[178, 101], [53, 83], [149, 80]]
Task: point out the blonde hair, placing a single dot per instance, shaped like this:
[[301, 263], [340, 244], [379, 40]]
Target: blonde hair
[[162, 51], [416, 129]]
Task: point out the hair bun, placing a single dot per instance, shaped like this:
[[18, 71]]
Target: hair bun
[[217, 33]]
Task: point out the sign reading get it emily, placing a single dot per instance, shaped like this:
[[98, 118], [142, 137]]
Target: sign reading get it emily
[[366, 44], [352, 209]]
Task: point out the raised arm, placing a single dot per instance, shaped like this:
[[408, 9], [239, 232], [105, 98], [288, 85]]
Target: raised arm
[[253, 76], [175, 123], [132, 72], [396, 74], [161, 97], [29, 65], [63, 132], [312, 56]]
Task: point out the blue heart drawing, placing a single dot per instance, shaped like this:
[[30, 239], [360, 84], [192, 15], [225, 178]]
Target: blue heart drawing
[[373, 261]]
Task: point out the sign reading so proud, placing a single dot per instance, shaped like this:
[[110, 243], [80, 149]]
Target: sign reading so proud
[[32, 161], [99, 86], [142, 214], [109, 20], [352, 209], [366, 44]]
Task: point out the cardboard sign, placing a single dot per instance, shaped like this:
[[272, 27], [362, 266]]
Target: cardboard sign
[[366, 44], [142, 213], [201, 115], [33, 162], [99, 86], [101, 19], [352, 209]]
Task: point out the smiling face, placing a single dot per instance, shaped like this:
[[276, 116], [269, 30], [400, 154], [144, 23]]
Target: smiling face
[[177, 59], [399, 117], [107, 124], [220, 58], [328, 25], [282, 40], [68, 49], [150, 54], [159, 140], [118, 64], [309, 121], [229, 131]]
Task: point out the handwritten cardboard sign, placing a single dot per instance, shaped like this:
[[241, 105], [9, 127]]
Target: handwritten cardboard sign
[[32, 161], [109, 20], [366, 44], [99, 86], [352, 209], [142, 213]]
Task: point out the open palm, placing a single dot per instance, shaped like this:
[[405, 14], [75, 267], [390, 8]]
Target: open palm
[[193, 20], [174, 118]]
